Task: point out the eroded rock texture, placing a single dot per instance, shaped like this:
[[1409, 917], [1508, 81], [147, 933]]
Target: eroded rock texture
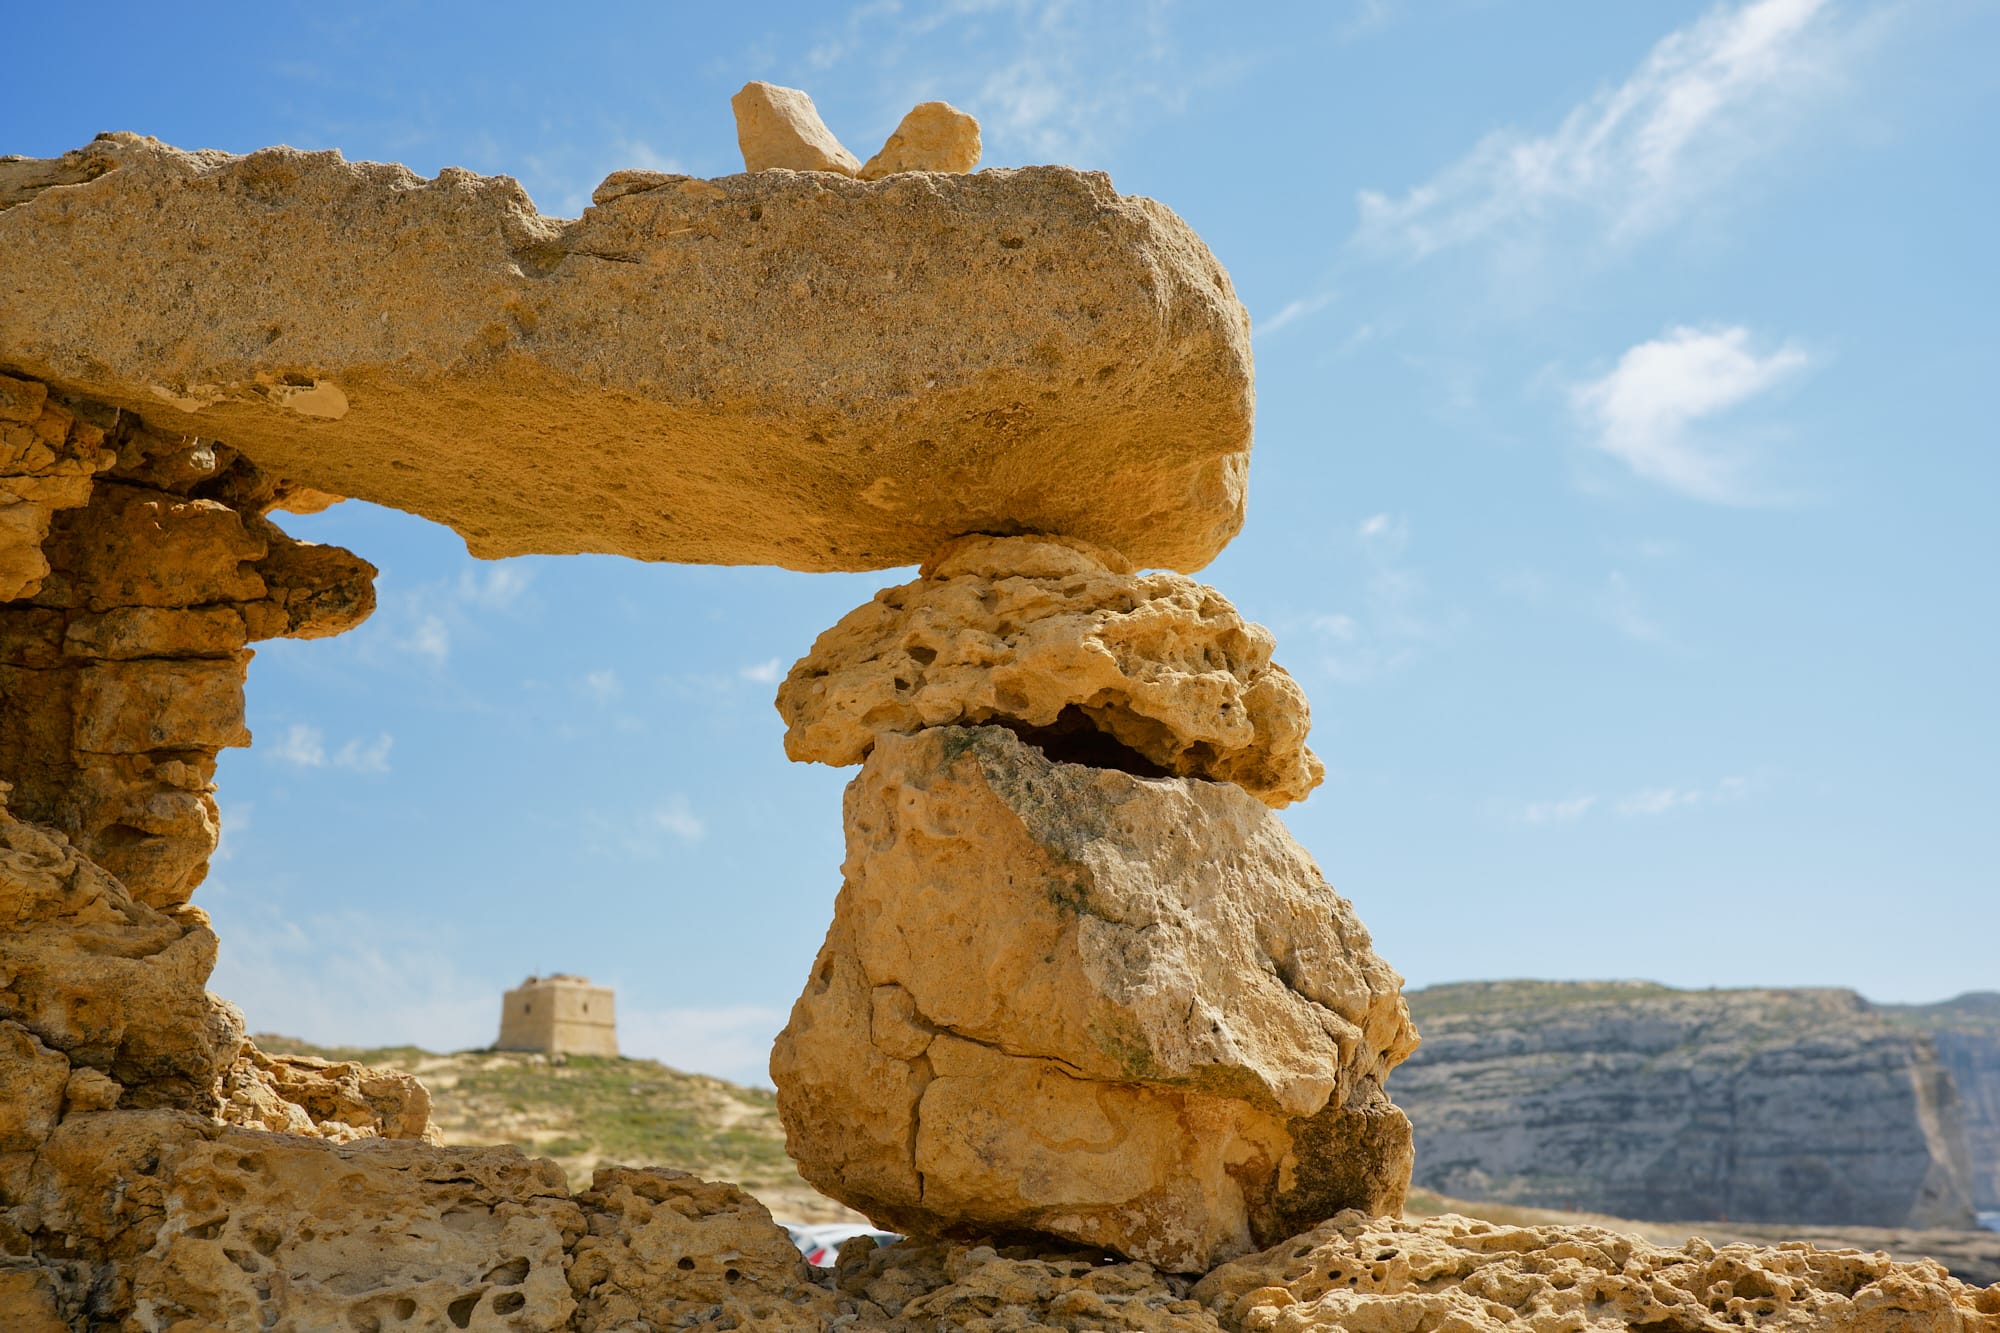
[[1065, 999], [1062, 641], [122, 669], [1381, 1275], [788, 368]]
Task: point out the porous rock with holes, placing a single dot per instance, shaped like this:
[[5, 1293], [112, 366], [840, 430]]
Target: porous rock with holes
[[1161, 1035]]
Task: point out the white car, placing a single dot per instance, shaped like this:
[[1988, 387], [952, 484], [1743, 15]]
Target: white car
[[820, 1242]]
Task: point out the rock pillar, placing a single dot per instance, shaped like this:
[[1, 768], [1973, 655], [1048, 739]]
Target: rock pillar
[[1080, 981]]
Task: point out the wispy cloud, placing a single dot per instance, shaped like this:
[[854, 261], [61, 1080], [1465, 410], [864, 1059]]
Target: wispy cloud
[[495, 585], [603, 685], [1663, 800], [1557, 812], [1291, 313], [304, 746], [1621, 608], [365, 756], [648, 833], [301, 746], [1049, 80], [767, 672], [1644, 803], [1392, 622], [1705, 101], [1646, 410]]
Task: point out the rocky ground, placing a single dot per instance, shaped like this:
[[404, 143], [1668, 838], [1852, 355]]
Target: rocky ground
[[584, 1112]]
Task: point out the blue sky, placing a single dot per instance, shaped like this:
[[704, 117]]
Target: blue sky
[[1622, 491]]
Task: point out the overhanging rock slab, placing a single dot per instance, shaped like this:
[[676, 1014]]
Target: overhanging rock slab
[[786, 368]]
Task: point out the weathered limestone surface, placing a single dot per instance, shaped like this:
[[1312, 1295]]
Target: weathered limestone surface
[[780, 127], [777, 367], [47, 458], [1064, 999], [1062, 641], [1382, 1275], [1803, 1106], [122, 672], [935, 136]]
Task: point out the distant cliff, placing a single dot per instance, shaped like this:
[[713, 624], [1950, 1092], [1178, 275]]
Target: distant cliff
[[1806, 1106], [1967, 1033]]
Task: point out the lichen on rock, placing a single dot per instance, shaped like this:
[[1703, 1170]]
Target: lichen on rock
[[1062, 641]]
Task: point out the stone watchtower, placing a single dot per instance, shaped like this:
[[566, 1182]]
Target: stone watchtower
[[559, 1014]]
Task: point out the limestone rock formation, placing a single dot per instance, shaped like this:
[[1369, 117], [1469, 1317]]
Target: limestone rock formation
[[935, 136], [780, 127], [1966, 1031], [1064, 999], [123, 671], [777, 367], [1381, 1275], [1801, 1107], [1060, 640], [47, 458]]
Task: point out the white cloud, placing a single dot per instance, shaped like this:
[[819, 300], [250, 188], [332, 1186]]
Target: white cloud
[[764, 673], [1706, 100], [301, 746], [602, 685], [430, 639], [1645, 802], [1394, 622], [1661, 800], [675, 816], [1291, 313], [365, 757], [1557, 812], [1049, 80], [1384, 532], [496, 585], [647, 833], [1621, 608], [304, 746], [1642, 412]]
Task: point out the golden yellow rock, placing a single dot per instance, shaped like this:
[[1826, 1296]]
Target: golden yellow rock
[[935, 136], [789, 368], [1060, 641], [780, 127], [1062, 999], [1383, 1275], [110, 983]]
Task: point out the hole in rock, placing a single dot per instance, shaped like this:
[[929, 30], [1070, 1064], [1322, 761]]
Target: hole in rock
[[460, 1310], [686, 1265], [405, 1307], [507, 1302], [1074, 739]]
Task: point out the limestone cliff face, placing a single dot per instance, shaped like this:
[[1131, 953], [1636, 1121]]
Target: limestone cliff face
[[1967, 1033], [1804, 1106]]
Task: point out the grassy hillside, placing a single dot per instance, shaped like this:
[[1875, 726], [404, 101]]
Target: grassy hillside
[[584, 1111]]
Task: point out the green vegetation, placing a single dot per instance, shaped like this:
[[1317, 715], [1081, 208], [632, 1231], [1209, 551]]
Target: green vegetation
[[586, 1110], [1493, 997]]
